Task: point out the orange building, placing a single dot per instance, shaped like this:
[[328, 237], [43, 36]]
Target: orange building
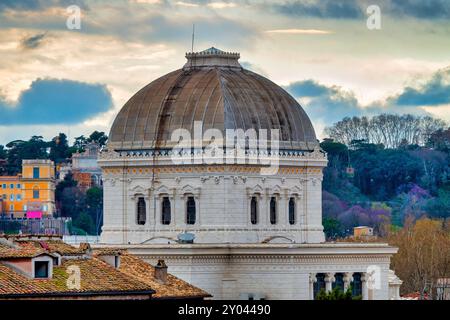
[[32, 193]]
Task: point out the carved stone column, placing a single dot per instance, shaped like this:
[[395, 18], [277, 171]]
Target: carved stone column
[[365, 293], [348, 278], [329, 279], [312, 280]]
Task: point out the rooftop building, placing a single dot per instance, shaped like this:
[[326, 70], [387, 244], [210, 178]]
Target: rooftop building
[[44, 267]]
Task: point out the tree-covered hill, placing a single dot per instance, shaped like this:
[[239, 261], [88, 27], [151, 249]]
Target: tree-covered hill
[[367, 183]]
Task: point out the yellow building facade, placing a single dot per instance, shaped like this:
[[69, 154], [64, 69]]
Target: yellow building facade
[[30, 194]]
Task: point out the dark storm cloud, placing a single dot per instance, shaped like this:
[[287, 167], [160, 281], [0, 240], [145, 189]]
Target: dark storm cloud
[[33, 41], [331, 103], [328, 103], [433, 93], [309, 88], [36, 5], [356, 9], [321, 9], [52, 101], [421, 9]]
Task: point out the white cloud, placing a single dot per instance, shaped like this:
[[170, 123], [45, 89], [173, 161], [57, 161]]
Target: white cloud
[[221, 5], [186, 4]]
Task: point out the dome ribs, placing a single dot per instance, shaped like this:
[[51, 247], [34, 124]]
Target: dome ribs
[[141, 121], [202, 89], [207, 107], [283, 112], [192, 98], [166, 109], [237, 92]]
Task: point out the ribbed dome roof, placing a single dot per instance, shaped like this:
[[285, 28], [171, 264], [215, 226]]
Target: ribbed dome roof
[[213, 88]]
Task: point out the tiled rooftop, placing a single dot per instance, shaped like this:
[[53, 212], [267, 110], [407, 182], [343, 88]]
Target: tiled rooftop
[[175, 287], [133, 276]]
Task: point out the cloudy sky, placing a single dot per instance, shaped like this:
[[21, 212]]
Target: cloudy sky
[[54, 79]]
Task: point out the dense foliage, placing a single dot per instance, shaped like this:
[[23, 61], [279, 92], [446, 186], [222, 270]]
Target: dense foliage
[[370, 184]]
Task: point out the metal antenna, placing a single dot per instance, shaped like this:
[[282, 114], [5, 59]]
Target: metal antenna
[[193, 33]]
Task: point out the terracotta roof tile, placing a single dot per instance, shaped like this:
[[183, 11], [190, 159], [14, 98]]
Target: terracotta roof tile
[[174, 288], [95, 275], [133, 275]]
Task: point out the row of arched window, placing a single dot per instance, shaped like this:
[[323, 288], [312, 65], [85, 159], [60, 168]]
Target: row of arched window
[[273, 216], [190, 214], [166, 211], [356, 284]]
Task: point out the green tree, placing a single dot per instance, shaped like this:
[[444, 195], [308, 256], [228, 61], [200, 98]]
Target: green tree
[[78, 145], [84, 222], [332, 228], [35, 148], [59, 148], [98, 137], [94, 201], [336, 294]]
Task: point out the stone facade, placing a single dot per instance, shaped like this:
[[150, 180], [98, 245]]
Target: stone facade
[[273, 271], [222, 196]]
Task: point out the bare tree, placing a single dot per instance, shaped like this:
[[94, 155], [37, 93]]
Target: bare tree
[[423, 256], [391, 130]]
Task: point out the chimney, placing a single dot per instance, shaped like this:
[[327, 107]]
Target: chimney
[[161, 272]]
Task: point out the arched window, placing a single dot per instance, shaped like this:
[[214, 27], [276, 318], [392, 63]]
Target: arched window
[[165, 211], [319, 285], [141, 211], [254, 210], [356, 284], [338, 281], [35, 193], [273, 210], [291, 211], [190, 210]]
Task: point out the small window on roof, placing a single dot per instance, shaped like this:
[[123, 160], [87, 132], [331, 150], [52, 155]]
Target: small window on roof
[[41, 269]]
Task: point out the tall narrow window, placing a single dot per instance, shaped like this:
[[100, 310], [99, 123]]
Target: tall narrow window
[[338, 281], [165, 211], [254, 211], [319, 285], [356, 284], [291, 211], [36, 173], [273, 210], [35, 193], [190, 210], [141, 211]]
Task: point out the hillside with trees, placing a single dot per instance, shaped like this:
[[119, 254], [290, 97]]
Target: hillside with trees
[[383, 170], [83, 206]]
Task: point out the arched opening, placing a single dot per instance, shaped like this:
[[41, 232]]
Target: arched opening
[[165, 211], [273, 210], [190, 210], [254, 210], [338, 281], [291, 211], [141, 211], [319, 284], [356, 285]]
